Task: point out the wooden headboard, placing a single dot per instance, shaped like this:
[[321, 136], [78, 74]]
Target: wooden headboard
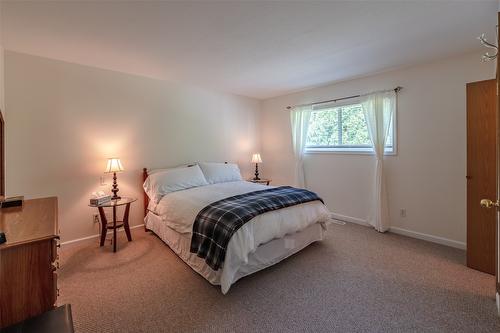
[[146, 198]]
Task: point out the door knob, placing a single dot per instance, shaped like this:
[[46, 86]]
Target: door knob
[[487, 203]]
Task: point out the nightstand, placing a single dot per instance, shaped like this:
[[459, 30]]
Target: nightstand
[[260, 181], [116, 224]]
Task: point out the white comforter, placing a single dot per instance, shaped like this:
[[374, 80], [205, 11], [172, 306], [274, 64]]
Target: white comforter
[[179, 209]]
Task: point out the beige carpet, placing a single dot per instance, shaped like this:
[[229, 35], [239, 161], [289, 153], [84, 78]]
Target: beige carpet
[[356, 281]]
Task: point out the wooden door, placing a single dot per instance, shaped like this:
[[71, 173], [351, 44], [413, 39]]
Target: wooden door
[[481, 174], [497, 277]]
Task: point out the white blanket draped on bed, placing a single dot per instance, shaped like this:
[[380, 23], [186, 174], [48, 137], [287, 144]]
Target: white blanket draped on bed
[[179, 209]]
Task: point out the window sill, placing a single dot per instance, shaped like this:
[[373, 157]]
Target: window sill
[[360, 151]]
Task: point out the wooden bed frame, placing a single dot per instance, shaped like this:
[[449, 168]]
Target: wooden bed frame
[[146, 198]]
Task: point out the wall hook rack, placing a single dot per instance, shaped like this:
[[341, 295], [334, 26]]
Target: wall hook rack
[[487, 56]]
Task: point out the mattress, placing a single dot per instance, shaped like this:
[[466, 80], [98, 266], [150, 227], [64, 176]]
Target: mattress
[[265, 255]]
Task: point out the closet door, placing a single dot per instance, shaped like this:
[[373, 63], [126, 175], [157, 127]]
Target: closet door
[[481, 174]]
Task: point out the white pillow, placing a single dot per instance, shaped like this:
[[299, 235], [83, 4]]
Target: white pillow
[[171, 180], [220, 172], [153, 171]]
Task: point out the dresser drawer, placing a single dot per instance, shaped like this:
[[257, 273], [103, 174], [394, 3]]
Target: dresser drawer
[[27, 282], [29, 259]]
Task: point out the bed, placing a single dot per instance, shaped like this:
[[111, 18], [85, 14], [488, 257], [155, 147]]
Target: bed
[[264, 240]]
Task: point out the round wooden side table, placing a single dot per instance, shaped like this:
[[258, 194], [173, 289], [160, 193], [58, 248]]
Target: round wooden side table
[[260, 181], [116, 224]]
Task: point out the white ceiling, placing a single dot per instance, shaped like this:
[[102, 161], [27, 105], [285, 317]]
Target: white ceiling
[[252, 48]]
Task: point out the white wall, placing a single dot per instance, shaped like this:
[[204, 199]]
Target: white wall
[[65, 120], [427, 177]]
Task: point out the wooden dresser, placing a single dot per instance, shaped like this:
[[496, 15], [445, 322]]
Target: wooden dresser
[[28, 260]]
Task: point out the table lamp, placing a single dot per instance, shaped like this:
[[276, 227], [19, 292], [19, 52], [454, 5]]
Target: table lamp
[[114, 166], [256, 159]]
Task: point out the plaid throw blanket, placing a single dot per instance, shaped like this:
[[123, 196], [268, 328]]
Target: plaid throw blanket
[[218, 222]]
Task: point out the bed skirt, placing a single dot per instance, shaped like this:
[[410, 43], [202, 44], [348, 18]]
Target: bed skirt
[[266, 254]]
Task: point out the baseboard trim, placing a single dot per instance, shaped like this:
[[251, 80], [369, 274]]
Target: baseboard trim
[[96, 236], [343, 218], [404, 232], [350, 219], [429, 238]]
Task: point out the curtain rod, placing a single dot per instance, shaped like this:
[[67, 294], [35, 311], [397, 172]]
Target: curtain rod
[[396, 90]]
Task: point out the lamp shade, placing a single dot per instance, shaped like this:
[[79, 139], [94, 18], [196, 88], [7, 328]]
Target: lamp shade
[[256, 158], [114, 165]]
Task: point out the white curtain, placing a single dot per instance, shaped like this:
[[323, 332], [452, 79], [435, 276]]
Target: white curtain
[[379, 108], [299, 117]]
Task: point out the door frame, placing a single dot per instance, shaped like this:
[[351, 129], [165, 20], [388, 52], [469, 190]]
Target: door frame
[[2, 154], [497, 275]]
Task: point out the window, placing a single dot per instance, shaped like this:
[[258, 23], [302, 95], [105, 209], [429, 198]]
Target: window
[[342, 128]]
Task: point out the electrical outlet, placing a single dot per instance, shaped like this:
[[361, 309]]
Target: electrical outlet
[[402, 212], [95, 218], [102, 181]]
